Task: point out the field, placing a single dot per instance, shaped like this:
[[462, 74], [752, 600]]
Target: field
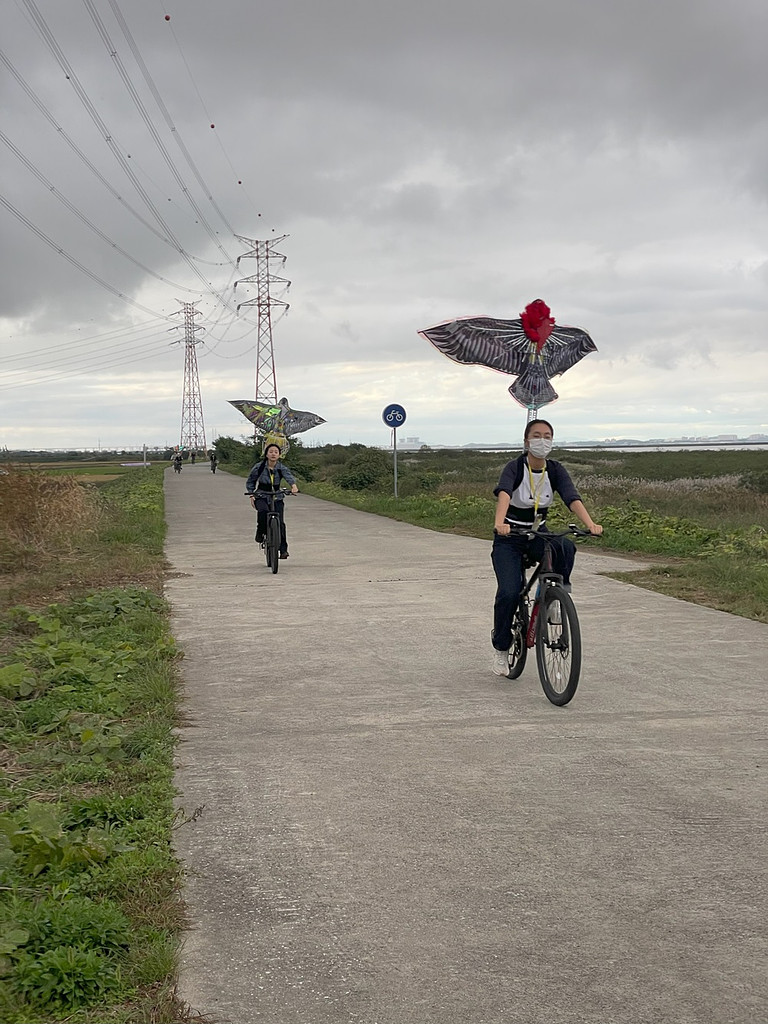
[[85, 473], [700, 516]]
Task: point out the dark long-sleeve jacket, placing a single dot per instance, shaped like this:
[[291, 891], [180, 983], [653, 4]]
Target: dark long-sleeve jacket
[[259, 477]]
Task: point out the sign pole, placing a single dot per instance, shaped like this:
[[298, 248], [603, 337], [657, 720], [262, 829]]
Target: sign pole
[[394, 446]]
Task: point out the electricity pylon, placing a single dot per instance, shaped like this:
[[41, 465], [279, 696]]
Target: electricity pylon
[[192, 437], [264, 251]]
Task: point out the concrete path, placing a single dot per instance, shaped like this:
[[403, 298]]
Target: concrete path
[[393, 835]]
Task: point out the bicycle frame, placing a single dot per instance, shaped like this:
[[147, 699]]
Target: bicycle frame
[[542, 572], [272, 516], [551, 624]]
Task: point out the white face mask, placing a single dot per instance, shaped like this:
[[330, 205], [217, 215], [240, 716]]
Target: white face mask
[[539, 447]]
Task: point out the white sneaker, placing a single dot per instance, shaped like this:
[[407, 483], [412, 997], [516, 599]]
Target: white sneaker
[[500, 663]]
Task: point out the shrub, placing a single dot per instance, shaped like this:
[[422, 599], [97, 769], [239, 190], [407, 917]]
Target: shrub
[[419, 483], [366, 470], [757, 481], [235, 454], [243, 455]]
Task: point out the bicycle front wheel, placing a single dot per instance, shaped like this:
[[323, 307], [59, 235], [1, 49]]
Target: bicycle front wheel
[[273, 543], [558, 646]]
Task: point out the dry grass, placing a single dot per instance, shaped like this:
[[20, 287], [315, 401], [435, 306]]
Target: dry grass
[[42, 516], [97, 478], [716, 501], [596, 483]]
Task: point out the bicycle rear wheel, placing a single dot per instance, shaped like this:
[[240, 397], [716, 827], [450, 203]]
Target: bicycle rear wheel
[[558, 646], [518, 652], [273, 543]]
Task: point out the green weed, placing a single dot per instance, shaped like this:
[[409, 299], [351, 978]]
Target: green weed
[[89, 891]]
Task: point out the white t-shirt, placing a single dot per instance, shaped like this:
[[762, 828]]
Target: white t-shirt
[[534, 489]]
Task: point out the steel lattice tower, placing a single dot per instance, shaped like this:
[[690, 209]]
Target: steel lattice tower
[[263, 252], [192, 436]]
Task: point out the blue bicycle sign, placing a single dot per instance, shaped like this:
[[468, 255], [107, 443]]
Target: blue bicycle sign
[[394, 415]]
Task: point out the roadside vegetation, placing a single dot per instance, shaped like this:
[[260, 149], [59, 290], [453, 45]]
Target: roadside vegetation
[[701, 517], [90, 908]]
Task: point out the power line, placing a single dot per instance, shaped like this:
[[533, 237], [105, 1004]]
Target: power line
[[73, 145], [82, 93], [78, 213], [143, 112], [72, 359], [117, 332], [192, 79], [164, 110], [71, 259], [136, 355]]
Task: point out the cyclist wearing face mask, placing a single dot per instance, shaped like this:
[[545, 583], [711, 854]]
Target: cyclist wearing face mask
[[525, 491]]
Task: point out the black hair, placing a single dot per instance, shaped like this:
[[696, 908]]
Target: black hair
[[263, 462], [533, 423]]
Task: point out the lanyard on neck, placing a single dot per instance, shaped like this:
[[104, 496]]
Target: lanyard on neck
[[271, 477], [535, 491]]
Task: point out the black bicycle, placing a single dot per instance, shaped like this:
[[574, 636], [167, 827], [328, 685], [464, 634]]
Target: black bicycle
[[271, 540], [545, 618]]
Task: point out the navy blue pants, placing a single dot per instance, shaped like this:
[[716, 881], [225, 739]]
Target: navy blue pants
[[507, 556]]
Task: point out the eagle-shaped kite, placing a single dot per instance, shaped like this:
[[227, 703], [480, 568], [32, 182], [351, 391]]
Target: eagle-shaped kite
[[278, 421], [532, 348]]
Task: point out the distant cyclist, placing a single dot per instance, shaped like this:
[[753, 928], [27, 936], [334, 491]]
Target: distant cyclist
[[266, 476], [524, 493], [177, 461], [214, 461]]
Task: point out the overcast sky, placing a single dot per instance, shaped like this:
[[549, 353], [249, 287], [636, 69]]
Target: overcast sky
[[428, 159]]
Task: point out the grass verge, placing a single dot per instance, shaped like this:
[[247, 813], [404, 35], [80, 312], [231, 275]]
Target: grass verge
[[90, 911]]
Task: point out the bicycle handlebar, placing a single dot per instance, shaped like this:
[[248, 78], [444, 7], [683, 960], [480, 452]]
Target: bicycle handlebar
[[523, 531], [266, 494]]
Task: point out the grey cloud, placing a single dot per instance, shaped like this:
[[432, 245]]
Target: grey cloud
[[428, 160]]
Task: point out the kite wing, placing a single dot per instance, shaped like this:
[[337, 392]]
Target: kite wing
[[500, 344], [564, 347], [503, 344], [261, 415], [296, 421], [277, 419]]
